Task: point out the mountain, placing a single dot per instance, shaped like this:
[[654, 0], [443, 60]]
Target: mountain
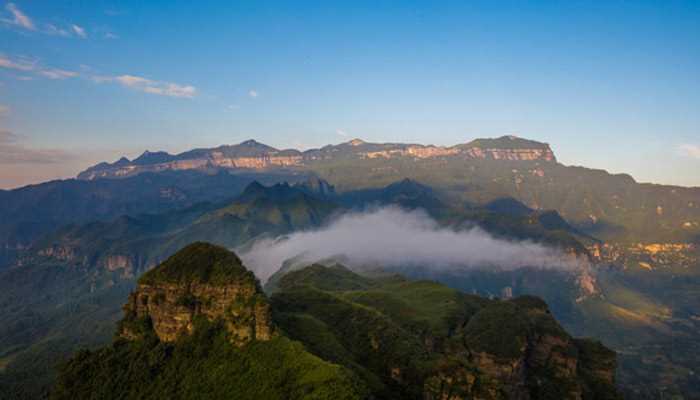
[[398, 333], [132, 244], [257, 156], [407, 193], [199, 323], [72, 247], [74, 276], [30, 212], [607, 206]]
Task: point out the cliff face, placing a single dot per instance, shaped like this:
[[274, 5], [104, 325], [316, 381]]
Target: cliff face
[[257, 156], [172, 310], [169, 299]]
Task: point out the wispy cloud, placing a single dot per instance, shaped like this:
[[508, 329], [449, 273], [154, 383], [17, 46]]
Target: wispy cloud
[[54, 73], [341, 132], [79, 31], [134, 82], [18, 64], [253, 94], [12, 151], [51, 29], [233, 107], [110, 35], [16, 18], [150, 86], [32, 66], [689, 150], [19, 18]]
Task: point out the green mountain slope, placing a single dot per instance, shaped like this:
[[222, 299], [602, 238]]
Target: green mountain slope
[[207, 357], [333, 335]]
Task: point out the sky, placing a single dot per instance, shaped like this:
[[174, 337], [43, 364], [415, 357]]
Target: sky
[[612, 85]]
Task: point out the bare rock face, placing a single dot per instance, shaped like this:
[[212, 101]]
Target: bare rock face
[[200, 281]]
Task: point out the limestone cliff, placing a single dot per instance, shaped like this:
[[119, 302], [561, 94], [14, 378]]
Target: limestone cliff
[[252, 155], [199, 281]]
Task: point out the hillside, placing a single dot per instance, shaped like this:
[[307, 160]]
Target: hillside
[[392, 339]]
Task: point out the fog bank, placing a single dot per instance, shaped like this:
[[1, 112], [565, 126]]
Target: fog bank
[[394, 237]]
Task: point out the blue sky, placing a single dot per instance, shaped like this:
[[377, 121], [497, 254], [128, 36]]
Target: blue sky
[[613, 85]]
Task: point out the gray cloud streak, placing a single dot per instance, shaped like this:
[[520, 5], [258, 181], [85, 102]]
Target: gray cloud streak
[[13, 152]]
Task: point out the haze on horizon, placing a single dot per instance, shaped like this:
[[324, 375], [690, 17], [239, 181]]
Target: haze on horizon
[[612, 85]]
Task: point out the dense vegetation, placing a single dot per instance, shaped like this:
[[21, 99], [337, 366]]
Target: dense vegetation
[[409, 338], [204, 366], [345, 336], [215, 265]]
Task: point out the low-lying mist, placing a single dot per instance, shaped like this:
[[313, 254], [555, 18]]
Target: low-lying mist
[[391, 236]]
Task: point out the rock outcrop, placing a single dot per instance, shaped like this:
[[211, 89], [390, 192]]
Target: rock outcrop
[[200, 281]]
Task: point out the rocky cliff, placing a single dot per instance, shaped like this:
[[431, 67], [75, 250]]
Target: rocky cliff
[[199, 281], [251, 155]]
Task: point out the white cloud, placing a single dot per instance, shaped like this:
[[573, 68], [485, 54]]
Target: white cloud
[[341, 132], [392, 237], [54, 73], [253, 93], [689, 150], [26, 65], [19, 18], [233, 107], [150, 86], [79, 31], [110, 35], [131, 81], [21, 64], [56, 31]]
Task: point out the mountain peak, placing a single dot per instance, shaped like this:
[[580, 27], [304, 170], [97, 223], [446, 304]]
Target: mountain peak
[[152, 157], [201, 280], [199, 262], [356, 142], [251, 143]]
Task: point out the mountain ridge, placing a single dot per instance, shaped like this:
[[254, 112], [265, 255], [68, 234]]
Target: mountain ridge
[[251, 154]]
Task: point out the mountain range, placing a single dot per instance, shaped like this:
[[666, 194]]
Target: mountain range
[[257, 156], [72, 250]]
